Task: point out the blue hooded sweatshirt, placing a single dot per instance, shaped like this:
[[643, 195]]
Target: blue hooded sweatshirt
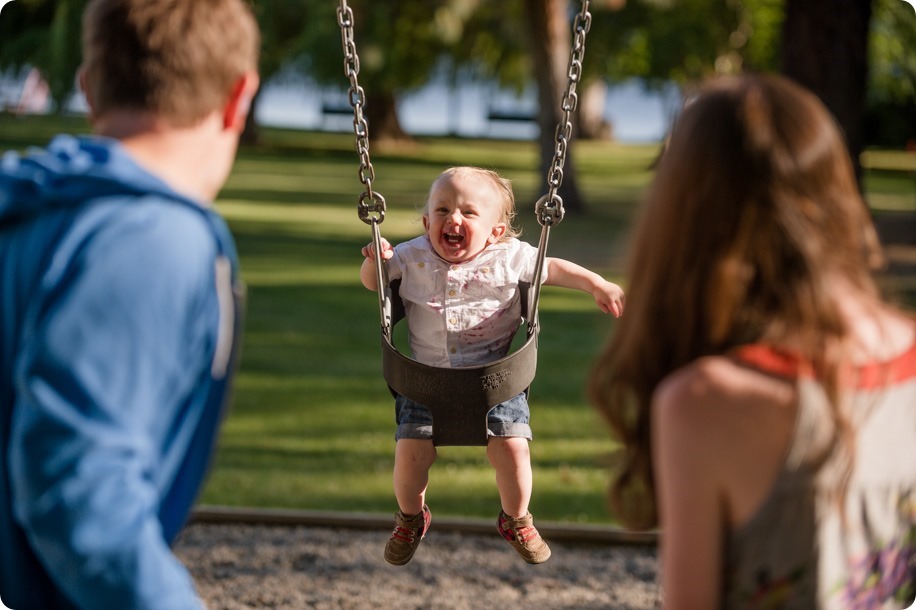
[[119, 313]]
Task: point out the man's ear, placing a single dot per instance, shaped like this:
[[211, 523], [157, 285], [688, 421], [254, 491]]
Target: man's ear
[[497, 233], [236, 110]]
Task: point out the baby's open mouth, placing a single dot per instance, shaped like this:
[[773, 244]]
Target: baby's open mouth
[[454, 238]]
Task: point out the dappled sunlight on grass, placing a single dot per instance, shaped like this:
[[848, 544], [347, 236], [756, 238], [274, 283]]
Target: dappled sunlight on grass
[[311, 404], [312, 422]]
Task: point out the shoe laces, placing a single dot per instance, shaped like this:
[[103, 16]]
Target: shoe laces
[[411, 534], [525, 533], [404, 534]]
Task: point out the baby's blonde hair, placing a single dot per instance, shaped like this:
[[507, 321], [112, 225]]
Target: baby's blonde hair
[[502, 187]]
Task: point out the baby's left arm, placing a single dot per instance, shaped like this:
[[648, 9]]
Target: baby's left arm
[[608, 296]]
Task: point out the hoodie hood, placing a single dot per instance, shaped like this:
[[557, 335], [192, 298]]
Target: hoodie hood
[[68, 172]]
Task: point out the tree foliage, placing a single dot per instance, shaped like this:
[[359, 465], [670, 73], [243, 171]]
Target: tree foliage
[[43, 34], [682, 41], [402, 44], [399, 44], [892, 60], [891, 97]]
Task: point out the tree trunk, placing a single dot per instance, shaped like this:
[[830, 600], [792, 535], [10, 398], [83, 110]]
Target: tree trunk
[[64, 45], [381, 114], [550, 37], [825, 48], [590, 111]]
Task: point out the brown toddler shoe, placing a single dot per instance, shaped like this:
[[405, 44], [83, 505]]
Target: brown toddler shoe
[[406, 537], [521, 534]]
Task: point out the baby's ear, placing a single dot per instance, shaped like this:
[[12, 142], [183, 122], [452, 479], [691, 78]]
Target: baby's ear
[[497, 233], [425, 221]]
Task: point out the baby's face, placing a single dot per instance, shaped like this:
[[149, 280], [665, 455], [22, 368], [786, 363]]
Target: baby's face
[[462, 217]]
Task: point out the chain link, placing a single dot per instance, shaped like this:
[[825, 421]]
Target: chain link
[[371, 206], [549, 208]]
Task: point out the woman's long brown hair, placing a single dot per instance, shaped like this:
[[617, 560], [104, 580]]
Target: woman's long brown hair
[[754, 209]]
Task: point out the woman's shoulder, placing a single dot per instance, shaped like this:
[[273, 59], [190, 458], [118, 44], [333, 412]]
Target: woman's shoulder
[[728, 423], [710, 382], [718, 395]]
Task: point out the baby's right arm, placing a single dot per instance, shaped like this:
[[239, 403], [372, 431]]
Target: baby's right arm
[[367, 271]]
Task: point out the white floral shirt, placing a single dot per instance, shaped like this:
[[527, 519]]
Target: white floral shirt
[[462, 314]]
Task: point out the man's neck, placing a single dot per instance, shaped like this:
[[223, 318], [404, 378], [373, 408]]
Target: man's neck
[[183, 157]]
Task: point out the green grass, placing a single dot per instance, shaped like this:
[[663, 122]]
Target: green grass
[[890, 179], [312, 423]]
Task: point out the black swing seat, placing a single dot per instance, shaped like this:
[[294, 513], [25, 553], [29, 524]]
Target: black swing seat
[[459, 398]]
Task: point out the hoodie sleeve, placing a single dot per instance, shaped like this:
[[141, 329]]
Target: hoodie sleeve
[[120, 346]]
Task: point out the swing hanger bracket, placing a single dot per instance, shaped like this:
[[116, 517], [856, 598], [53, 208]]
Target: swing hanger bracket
[[371, 207], [549, 209]]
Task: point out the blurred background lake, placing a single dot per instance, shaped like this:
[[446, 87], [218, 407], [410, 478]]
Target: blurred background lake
[[636, 114]]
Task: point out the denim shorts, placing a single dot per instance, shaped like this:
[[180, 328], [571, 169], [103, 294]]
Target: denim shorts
[[507, 419]]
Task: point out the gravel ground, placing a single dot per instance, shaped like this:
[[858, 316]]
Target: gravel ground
[[257, 566], [293, 568]]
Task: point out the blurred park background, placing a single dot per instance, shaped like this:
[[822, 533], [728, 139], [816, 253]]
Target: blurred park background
[[469, 82]]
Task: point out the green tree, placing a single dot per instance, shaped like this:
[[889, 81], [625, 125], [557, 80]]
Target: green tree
[[840, 49], [550, 40], [682, 41], [891, 95], [399, 45], [45, 35], [891, 51], [282, 23]]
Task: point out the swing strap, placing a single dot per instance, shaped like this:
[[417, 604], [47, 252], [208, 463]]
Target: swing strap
[[459, 398]]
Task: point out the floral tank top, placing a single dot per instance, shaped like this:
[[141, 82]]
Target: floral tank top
[[863, 555]]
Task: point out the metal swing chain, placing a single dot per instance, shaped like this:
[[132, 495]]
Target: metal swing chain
[[550, 207], [371, 206]]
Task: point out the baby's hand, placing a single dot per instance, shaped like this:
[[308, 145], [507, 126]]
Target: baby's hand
[[387, 250], [610, 298]]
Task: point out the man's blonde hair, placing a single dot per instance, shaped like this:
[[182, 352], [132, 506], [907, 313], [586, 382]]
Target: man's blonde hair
[[177, 59], [501, 186]]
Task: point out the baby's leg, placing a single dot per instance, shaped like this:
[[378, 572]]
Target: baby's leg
[[412, 460], [511, 459]]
